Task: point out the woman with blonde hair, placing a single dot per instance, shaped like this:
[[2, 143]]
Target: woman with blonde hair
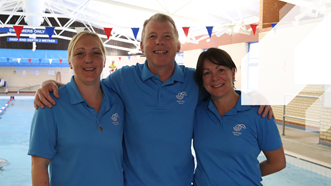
[[75, 139]]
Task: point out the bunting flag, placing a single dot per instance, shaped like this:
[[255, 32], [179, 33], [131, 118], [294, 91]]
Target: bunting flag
[[119, 58], [138, 57], [210, 30], [18, 60], [60, 60], [29, 60], [253, 26], [40, 60], [8, 59], [135, 32], [129, 57], [18, 30], [50, 31], [79, 29], [186, 30], [274, 26], [108, 31], [50, 61]]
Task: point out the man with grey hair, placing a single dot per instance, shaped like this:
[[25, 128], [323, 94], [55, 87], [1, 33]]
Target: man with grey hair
[[160, 97]]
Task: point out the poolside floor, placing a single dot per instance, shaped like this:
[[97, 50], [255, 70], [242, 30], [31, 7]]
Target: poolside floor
[[305, 145]]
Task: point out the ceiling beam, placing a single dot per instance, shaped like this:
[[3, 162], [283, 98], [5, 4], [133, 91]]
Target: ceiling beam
[[250, 12], [198, 22], [97, 22]]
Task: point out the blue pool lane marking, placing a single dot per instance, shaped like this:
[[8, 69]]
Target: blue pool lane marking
[[4, 107]]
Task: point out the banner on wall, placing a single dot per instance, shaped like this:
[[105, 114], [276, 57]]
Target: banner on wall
[[29, 58], [24, 31], [30, 40]]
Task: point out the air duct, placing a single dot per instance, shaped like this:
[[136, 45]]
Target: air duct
[[36, 7]]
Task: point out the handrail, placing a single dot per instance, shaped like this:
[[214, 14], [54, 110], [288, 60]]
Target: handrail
[[29, 87], [306, 119]]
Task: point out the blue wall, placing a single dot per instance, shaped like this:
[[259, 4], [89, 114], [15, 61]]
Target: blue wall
[[39, 58]]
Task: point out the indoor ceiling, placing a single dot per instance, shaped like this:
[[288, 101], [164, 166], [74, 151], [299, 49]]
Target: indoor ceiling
[[224, 15]]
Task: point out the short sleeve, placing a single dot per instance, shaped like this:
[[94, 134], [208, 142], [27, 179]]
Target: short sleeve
[[268, 135], [43, 134], [112, 81]]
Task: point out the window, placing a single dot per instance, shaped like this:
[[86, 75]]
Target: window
[[180, 58], [253, 66]]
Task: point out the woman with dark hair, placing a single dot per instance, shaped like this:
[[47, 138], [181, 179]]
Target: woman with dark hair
[[228, 136]]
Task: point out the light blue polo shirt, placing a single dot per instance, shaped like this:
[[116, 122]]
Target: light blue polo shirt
[[159, 124], [68, 135], [227, 147]]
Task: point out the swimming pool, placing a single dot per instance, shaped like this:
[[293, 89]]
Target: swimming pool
[[14, 139], [15, 123]]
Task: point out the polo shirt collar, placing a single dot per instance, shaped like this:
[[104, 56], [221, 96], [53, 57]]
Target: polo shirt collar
[[237, 108], [73, 92], [178, 74], [76, 97]]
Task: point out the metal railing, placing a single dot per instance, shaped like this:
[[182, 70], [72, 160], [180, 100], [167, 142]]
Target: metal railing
[[306, 119], [29, 87]]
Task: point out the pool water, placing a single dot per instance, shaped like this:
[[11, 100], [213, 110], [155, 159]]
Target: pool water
[[294, 176], [14, 140], [15, 123]]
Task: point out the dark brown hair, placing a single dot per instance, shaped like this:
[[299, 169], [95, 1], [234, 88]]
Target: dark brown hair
[[216, 56]]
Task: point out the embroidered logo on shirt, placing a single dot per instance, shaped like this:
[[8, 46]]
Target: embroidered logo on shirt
[[114, 118], [180, 97], [238, 128]]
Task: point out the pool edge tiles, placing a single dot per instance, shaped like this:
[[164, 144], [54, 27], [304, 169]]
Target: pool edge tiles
[[312, 165], [17, 97]]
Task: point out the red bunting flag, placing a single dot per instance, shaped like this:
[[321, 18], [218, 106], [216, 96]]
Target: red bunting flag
[[29, 60], [186, 30], [18, 30], [108, 31], [119, 58], [253, 26], [60, 60]]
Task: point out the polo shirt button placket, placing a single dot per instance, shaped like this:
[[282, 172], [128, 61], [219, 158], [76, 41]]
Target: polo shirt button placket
[[97, 121]]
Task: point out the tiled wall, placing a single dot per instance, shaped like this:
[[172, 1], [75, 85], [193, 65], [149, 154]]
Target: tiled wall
[[299, 106]]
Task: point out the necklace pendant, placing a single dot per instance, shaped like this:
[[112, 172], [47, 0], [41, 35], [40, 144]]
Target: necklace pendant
[[100, 128]]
